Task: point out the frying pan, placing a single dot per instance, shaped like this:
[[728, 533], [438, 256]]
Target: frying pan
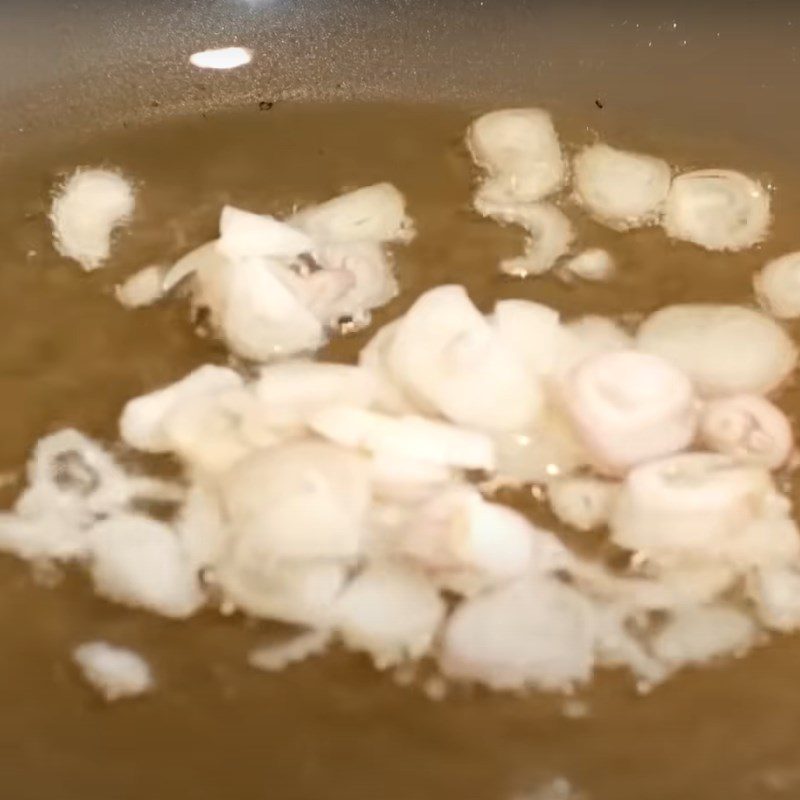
[[720, 71]]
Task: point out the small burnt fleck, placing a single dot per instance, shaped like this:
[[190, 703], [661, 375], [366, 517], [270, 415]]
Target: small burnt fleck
[[265, 105], [598, 103]]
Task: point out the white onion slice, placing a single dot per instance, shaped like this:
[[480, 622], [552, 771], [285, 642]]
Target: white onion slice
[[72, 481], [777, 286], [724, 349], [86, 210], [206, 257], [519, 150], [630, 407], [279, 656], [300, 592], [748, 428], [115, 672], [261, 318], [143, 288], [445, 352], [374, 358], [532, 330], [391, 612], [373, 281], [467, 544], [594, 264], [292, 391], [139, 562], [775, 592], [200, 526], [621, 189], [533, 633], [142, 421], [303, 499], [661, 588], [704, 506], [587, 337], [699, 635], [208, 432], [407, 480], [408, 437], [374, 213], [550, 234], [245, 235], [320, 291], [717, 209]]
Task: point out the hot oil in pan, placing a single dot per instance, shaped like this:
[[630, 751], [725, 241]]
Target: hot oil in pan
[[332, 728]]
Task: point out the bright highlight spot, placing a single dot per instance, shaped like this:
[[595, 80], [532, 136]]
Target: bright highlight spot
[[224, 58]]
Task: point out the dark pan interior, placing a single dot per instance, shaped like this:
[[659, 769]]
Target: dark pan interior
[[722, 67]]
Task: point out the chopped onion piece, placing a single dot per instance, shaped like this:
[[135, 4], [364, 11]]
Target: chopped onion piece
[[374, 213], [73, 479], [142, 421], [143, 288], [297, 592], [630, 407], [661, 588], [405, 479], [594, 264], [415, 438], [519, 150], [551, 234], [532, 330], [467, 544], [589, 336], [115, 672], [291, 392], [373, 283], [717, 209], [303, 499], [86, 210], [702, 634], [46, 537], [704, 506], [260, 316], [776, 594], [200, 526], [777, 286], [276, 657], [391, 612], [533, 633], [620, 189], [209, 432], [724, 349], [748, 428], [374, 357], [445, 352], [205, 258], [139, 562], [245, 235]]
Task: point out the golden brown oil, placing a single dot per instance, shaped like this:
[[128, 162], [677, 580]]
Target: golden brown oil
[[333, 729]]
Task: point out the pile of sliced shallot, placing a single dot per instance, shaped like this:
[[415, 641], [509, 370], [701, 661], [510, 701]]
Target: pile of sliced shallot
[[356, 501]]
